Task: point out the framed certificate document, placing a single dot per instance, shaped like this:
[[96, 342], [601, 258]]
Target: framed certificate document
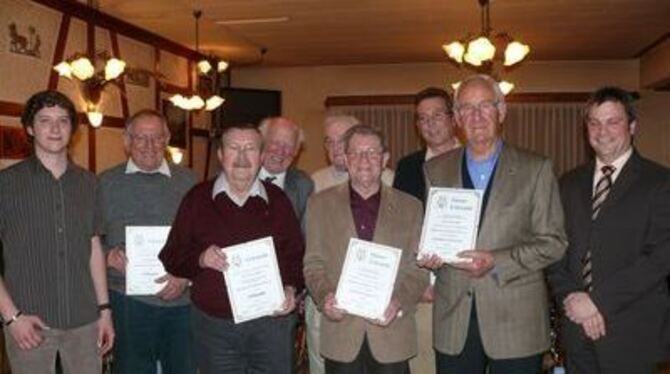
[[252, 279], [367, 279], [451, 222], [143, 243]]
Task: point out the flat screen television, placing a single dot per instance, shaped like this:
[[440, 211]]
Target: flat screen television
[[247, 105]]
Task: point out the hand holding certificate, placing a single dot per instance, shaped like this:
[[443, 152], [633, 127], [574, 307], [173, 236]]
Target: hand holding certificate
[[451, 223], [143, 243], [252, 279], [367, 279]]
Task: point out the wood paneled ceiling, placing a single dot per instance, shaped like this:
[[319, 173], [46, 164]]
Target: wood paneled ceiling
[[331, 32]]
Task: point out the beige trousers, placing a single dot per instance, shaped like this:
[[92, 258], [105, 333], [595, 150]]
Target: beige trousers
[[77, 347]]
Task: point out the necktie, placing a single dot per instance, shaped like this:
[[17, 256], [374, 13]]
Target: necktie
[[269, 179], [599, 195]]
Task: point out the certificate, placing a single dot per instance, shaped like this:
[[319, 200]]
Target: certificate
[[367, 279], [252, 279], [143, 243], [451, 222]]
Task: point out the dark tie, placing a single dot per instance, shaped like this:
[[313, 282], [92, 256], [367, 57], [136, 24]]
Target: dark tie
[[269, 179], [599, 195]]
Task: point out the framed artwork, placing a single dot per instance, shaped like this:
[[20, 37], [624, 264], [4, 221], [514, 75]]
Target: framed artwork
[[177, 120]]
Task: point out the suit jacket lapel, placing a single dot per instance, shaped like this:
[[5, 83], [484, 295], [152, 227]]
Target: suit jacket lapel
[[290, 187], [343, 211], [387, 209], [500, 189], [624, 181]]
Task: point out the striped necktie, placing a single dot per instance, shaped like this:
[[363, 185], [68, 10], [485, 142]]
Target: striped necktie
[[599, 195]]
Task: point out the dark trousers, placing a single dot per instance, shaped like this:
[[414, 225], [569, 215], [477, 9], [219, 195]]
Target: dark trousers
[[252, 347], [365, 363], [583, 356], [148, 333], [473, 359]]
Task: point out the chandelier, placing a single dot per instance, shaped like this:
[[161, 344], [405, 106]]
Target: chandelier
[[478, 52], [203, 97], [82, 68]]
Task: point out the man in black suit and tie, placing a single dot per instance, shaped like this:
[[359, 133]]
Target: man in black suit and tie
[[612, 280], [435, 124]]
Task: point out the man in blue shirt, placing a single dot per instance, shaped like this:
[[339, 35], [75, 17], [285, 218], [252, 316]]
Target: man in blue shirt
[[491, 310]]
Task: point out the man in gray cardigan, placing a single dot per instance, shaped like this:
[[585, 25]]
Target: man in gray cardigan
[[146, 191]]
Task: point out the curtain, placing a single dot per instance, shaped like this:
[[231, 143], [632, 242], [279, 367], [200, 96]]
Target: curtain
[[552, 129], [395, 121]]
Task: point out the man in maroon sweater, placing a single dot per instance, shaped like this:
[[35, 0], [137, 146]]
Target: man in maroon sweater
[[235, 208]]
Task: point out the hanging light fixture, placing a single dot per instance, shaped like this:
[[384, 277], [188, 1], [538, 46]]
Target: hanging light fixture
[[82, 68], [479, 52], [203, 67]]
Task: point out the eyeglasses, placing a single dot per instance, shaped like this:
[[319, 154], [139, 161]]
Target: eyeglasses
[[146, 139], [485, 107], [331, 143], [427, 120], [242, 148], [372, 154]]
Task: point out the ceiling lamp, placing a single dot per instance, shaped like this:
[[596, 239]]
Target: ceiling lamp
[[478, 52], [197, 100], [92, 82]]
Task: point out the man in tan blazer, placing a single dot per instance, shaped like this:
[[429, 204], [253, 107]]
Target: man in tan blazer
[[492, 310], [367, 210]]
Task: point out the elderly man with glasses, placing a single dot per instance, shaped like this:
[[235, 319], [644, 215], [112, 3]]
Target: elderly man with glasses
[[364, 209], [146, 190], [491, 310]]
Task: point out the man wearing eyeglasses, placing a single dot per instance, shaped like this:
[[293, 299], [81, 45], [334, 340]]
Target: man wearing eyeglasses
[[146, 190], [235, 208], [335, 173], [435, 125], [365, 209], [491, 310]]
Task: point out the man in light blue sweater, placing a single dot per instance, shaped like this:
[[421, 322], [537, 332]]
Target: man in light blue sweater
[[146, 191]]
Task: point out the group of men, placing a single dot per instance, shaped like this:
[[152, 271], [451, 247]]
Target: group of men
[[600, 238]]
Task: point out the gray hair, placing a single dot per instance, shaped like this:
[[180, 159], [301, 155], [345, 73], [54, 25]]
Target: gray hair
[[147, 113], [268, 122], [486, 79], [340, 118], [364, 130]]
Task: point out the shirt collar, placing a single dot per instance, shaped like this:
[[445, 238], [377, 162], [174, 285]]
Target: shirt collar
[[132, 168], [490, 160], [618, 165], [221, 185], [430, 154], [337, 175], [279, 179]]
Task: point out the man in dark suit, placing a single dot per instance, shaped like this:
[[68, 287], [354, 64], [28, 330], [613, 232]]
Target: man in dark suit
[[612, 279], [435, 125], [282, 140]]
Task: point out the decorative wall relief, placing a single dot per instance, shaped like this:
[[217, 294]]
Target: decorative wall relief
[[138, 77], [27, 44]]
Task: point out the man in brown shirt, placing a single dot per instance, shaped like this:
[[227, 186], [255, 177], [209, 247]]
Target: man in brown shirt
[[53, 294], [365, 209]]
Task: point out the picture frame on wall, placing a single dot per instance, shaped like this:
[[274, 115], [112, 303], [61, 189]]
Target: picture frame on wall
[[14, 145], [177, 121]]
